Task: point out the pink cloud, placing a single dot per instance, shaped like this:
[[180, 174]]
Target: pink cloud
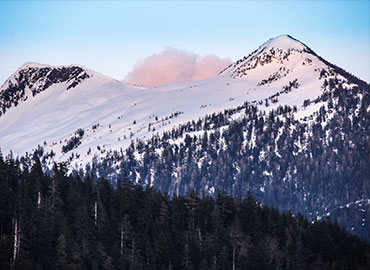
[[173, 65]]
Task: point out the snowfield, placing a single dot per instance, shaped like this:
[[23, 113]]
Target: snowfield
[[112, 114]]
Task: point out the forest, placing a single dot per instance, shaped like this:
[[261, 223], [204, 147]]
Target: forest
[[59, 221]]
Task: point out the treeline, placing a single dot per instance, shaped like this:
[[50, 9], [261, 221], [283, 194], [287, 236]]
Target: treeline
[[63, 222]]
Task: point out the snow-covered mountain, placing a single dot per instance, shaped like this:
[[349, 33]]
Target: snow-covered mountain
[[45, 106], [282, 122]]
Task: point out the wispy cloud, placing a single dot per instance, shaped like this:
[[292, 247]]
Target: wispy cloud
[[174, 65]]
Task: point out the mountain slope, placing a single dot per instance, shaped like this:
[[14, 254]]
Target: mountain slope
[[57, 113], [283, 123]]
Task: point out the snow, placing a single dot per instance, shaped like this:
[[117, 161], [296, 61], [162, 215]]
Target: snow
[[125, 112], [284, 42]]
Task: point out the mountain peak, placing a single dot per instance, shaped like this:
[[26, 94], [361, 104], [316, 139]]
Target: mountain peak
[[34, 78], [276, 51], [284, 42], [36, 65]]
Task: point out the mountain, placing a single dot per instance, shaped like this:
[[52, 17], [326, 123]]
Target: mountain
[[48, 104], [282, 122]]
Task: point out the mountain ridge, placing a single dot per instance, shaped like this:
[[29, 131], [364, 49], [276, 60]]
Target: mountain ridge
[[280, 121], [270, 59]]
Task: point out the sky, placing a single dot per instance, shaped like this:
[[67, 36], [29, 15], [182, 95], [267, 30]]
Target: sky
[[114, 37]]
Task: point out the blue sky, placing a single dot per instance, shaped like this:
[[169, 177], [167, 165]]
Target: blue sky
[[111, 36]]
